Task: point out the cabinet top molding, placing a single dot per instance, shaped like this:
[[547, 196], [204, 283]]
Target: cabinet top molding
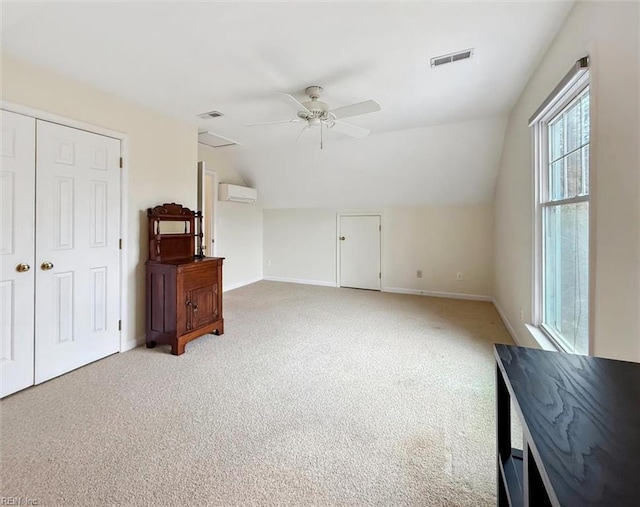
[[169, 210]]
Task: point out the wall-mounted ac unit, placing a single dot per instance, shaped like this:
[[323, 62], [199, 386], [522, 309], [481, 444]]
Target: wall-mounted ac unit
[[236, 193]]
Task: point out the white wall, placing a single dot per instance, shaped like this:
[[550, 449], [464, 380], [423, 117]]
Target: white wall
[[238, 226], [441, 241], [161, 166], [608, 32], [300, 244]]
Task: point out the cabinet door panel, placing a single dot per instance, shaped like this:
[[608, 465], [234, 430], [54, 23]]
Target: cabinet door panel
[[204, 308]]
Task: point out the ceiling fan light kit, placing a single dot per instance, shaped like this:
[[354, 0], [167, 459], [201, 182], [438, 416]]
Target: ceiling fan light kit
[[318, 114]]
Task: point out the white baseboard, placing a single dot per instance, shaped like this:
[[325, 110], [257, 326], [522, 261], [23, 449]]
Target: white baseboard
[[299, 280], [506, 322], [130, 345], [451, 295], [242, 284]]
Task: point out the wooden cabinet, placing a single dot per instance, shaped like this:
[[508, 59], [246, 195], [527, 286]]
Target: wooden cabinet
[[184, 301], [184, 291]]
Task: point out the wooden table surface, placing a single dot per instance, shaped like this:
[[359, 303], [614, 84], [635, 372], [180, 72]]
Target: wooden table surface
[[581, 417]]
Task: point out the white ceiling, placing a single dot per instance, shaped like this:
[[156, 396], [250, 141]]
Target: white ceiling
[[186, 58], [448, 164]]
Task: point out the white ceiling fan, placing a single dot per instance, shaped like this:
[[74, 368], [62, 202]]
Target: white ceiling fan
[[317, 114]]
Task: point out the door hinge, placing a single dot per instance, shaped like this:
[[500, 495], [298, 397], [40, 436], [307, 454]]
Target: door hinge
[[120, 244], [121, 162], [379, 228], [380, 276], [119, 325]]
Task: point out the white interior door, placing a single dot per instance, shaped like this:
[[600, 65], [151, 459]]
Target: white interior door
[[207, 199], [359, 240], [77, 249], [17, 195]]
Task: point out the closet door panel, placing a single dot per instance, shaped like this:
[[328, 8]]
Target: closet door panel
[[17, 195], [77, 249]]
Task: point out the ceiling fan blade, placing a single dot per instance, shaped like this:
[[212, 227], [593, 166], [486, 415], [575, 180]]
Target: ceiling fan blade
[[350, 130], [306, 127], [293, 120], [368, 106], [299, 105]]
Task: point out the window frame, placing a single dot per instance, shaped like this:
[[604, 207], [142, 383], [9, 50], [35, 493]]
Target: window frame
[[540, 132]]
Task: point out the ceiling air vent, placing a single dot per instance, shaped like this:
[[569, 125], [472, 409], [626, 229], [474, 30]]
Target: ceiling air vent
[[453, 57], [210, 114], [214, 140]]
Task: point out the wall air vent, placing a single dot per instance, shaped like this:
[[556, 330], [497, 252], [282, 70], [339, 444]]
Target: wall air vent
[[214, 140], [210, 114], [450, 58]]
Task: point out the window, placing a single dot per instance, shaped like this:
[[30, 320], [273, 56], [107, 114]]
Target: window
[[562, 218]]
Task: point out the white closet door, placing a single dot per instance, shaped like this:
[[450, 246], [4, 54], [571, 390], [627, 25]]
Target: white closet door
[[360, 252], [77, 250], [17, 194]]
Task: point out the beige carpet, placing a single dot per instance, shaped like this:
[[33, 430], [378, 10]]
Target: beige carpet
[[314, 396]]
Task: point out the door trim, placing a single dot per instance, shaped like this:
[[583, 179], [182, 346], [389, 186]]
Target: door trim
[[339, 215], [124, 197], [214, 223], [203, 172]]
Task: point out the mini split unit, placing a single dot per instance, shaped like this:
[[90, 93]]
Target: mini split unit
[[236, 193]]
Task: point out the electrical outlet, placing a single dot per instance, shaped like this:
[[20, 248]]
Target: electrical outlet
[[521, 315], [419, 273], [458, 276]]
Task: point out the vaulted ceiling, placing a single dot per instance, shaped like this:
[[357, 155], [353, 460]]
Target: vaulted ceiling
[[437, 138]]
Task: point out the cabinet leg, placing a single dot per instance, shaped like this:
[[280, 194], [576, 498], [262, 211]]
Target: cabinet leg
[[177, 349], [151, 344], [219, 330]]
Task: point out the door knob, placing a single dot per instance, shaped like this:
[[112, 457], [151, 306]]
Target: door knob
[[23, 267], [46, 266], [341, 238]]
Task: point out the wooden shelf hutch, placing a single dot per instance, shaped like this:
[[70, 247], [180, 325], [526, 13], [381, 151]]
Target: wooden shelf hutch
[[184, 290]]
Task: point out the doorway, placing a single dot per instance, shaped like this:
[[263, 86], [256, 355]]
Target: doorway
[[207, 204], [359, 251]]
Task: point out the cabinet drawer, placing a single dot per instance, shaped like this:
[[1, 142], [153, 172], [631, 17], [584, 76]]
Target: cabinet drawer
[[193, 277]]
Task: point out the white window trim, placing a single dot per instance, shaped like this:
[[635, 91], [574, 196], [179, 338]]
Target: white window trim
[[540, 333]]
